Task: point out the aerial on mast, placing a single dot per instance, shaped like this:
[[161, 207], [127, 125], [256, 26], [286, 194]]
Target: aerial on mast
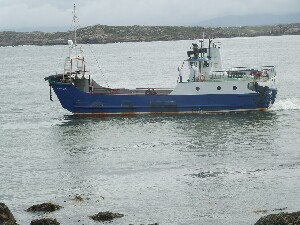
[[75, 20]]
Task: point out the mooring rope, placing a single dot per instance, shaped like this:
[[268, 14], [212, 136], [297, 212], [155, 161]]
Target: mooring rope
[[62, 55], [98, 64]]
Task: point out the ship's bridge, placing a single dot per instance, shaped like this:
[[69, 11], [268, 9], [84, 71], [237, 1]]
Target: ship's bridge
[[202, 61]]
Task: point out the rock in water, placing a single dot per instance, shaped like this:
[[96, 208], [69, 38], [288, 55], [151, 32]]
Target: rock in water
[[6, 217], [45, 221], [280, 219], [78, 198], [106, 216], [44, 207]]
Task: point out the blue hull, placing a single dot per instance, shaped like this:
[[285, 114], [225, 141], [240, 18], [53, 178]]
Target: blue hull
[[79, 102]]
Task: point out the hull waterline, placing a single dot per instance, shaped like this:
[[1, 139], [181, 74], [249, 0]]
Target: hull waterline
[[81, 103]]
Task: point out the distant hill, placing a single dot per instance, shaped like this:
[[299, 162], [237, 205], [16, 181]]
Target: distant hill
[[101, 34], [250, 20]]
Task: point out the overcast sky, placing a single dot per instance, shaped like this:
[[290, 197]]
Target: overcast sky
[[15, 14]]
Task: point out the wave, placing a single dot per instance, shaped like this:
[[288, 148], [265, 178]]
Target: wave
[[286, 104]]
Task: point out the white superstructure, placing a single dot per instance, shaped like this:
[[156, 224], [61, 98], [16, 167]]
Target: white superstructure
[[206, 74]]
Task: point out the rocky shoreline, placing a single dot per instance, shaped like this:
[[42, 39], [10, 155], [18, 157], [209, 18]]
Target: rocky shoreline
[[102, 34], [7, 218]]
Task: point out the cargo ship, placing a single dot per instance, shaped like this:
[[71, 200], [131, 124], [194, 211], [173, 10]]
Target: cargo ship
[[208, 88]]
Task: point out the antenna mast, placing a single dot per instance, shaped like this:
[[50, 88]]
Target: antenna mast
[[75, 20]]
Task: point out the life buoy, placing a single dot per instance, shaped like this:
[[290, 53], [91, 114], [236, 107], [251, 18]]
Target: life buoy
[[201, 78]]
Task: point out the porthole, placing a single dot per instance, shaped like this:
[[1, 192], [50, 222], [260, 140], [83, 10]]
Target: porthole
[[197, 88], [219, 88], [234, 87]]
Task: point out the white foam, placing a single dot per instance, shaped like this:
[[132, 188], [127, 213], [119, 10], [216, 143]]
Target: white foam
[[286, 104]]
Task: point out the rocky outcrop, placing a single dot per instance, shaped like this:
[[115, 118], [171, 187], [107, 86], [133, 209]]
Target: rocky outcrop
[[44, 207], [106, 216], [45, 221], [101, 34], [280, 219], [6, 217]]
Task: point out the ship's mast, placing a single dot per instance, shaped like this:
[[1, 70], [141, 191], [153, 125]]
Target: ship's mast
[[68, 63], [75, 20]]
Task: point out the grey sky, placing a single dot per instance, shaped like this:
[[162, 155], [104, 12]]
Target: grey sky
[[58, 13]]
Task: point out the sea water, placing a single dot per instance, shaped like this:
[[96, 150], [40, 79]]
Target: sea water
[[209, 169]]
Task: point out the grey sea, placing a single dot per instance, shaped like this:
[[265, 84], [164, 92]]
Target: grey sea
[[210, 169]]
